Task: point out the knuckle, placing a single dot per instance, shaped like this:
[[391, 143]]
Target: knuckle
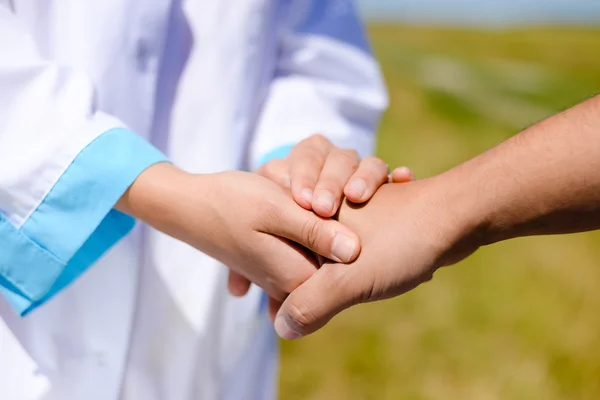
[[301, 314], [319, 140], [342, 281], [377, 164], [427, 275], [353, 153], [348, 157], [355, 288], [310, 233], [309, 165], [368, 294], [314, 156]]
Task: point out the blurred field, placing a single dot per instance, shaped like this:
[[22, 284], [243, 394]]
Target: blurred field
[[519, 320]]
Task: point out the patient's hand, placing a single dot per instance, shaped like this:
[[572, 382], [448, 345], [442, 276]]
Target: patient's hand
[[407, 232]]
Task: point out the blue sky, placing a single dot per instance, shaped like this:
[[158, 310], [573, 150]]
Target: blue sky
[[484, 11]]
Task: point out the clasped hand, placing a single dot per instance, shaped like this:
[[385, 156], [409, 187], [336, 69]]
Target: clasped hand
[[407, 232], [318, 176], [387, 239], [269, 228]]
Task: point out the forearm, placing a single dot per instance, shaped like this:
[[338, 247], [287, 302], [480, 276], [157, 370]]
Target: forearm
[[544, 180]]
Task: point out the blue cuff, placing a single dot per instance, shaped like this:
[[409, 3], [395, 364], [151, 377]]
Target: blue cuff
[[280, 152], [76, 223]]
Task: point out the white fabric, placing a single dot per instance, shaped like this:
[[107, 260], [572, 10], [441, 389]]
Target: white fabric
[[39, 96], [215, 84]]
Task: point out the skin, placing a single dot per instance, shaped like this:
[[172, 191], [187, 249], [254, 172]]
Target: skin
[[241, 219], [252, 224], [545, 180], [319, 176]]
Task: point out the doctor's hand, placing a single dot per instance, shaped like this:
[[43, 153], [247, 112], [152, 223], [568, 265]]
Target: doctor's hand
[[247, 222], [407, 232], [320, 175]]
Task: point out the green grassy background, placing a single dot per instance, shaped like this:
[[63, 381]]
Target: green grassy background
[[518, 320]]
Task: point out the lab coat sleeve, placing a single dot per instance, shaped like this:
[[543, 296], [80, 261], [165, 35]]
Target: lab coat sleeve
[[63, 166], [326, 81]]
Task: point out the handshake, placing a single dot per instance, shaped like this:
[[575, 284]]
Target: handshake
[[374, 239], [319, 231], [375, 236]]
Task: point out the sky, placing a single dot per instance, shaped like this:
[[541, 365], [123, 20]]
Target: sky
[[484, 12]]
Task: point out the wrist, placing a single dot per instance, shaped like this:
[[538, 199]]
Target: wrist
[[484, 196], [182, 205], [464, 212], [156, 196]]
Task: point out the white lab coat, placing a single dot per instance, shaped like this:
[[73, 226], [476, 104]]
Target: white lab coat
[[215, 85]]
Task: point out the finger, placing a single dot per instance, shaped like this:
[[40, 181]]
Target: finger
[[237, 284], [315, 302], [401, 175], [371, 174], [286, 265], [277, 170], [306, 161], [325, 237], [337, 170]]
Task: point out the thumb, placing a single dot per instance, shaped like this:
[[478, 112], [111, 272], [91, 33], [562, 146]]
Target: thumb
[[326, 237], [314, 303]]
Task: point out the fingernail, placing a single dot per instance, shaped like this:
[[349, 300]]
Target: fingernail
[[343, 248], [407, 171], [325, 199], [284, 331], [307, 195], [358, 186]]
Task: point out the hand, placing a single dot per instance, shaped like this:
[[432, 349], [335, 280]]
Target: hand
[[542, 181], [315, 166], [320, 175], [407, 231], [247, 222]]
